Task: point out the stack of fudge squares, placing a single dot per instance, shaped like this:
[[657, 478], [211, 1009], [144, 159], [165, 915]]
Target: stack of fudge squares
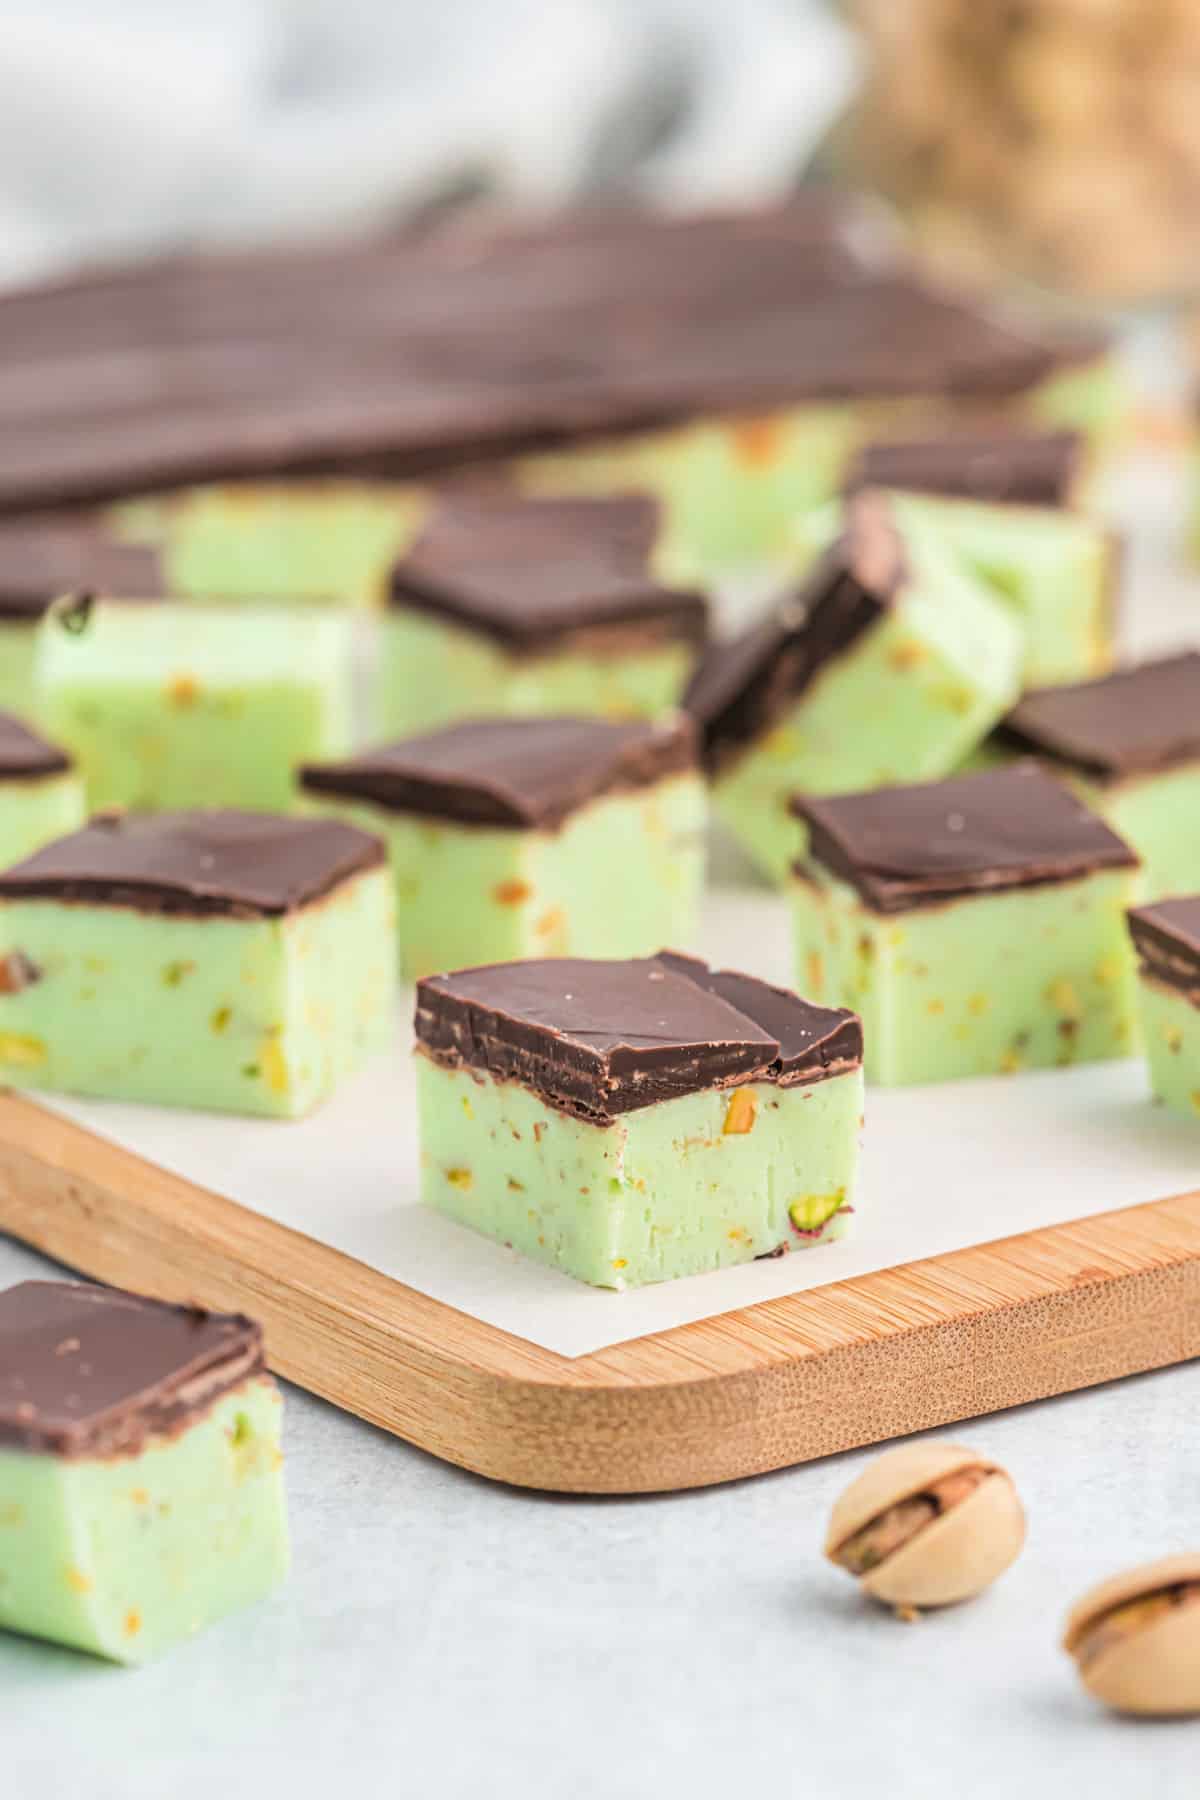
[[398, 664]]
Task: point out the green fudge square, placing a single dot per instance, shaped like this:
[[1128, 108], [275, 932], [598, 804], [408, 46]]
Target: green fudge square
[[141, 1486], [518, 607], [513, 838], [41, 793], [1130, 746], [630, 1122], [887, 665], [976, 924], [175, 705], [1166, 938], [234, 961]]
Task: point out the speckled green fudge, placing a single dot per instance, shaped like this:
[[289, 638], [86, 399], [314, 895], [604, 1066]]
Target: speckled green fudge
[[1166, 938], [1130, 746], [976, 924], [234, 961], [141, 1486], [41, 792], [173, 705], [888, 664], [629, 1122], [532, 837], [522, 607]]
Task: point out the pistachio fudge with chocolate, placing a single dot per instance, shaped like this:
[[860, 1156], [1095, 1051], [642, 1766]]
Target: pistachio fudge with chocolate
[[195, 705], [1166, 937], [977, 924], [531, 837], [996, 462], [41, 791], [235, 961], [141, 1486], [1130, 745], [888, 663], [511, 606], [628, 1122]]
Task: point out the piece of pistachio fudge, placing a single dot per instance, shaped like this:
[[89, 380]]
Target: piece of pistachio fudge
[[195, 705], [532, 837], [1130, 745], [1166, 937], [235, 961], [141, 1486], [41, 792], [511, 606], [977, 924], [887, 664], [995, 461], [629, 1122]]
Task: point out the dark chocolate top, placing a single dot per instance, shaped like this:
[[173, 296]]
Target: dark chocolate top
[[530, 571], [87, 1371], [905, 847], [24, 756], [743, 686], [41, 559], [402, 356], [519, 773], [1132, 723], [1028, 468], [1166, 937], [242, 865], [597, 1039]]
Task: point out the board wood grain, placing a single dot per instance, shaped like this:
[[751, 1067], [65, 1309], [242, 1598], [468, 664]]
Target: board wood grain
[[761, 1388]]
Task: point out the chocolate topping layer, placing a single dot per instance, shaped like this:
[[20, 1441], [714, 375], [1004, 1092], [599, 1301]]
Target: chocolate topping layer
[[24, 756], [531, 572], [1027, 468], [598, 1039], [404, 356], [41, 559], [86, 1371], [522, 773], [1166, 937], [1132, 723], [235, 864], [743, 687], [905, 847]]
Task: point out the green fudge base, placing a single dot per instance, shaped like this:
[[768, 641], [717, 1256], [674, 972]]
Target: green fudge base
[[125, 1556], [432, 673], [33, 813], [1033, 978], [237, 1015], [18, 657], [905, 702], [166, 707], [1171, 1038], [621, 877], [666, 1191]]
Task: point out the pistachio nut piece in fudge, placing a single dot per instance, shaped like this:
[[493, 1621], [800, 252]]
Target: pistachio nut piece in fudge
[[887, 664], [141, 1485], [523, 606], [513, 838], [235, 961], [41, 791], [927, 1524], [1130, 745], [1135, 1639], [1166, 937], [977, 924], [629, 1122], [994, 461], [194, 704]]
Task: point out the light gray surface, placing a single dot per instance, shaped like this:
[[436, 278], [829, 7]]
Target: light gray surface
[[443, 1638]]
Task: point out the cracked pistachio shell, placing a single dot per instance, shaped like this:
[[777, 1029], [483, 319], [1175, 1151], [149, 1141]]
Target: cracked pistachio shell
[[1155, 1669], [956, 1555]]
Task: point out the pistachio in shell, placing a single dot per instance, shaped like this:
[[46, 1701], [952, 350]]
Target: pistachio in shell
[[927, 1524], [1136, 1639]]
